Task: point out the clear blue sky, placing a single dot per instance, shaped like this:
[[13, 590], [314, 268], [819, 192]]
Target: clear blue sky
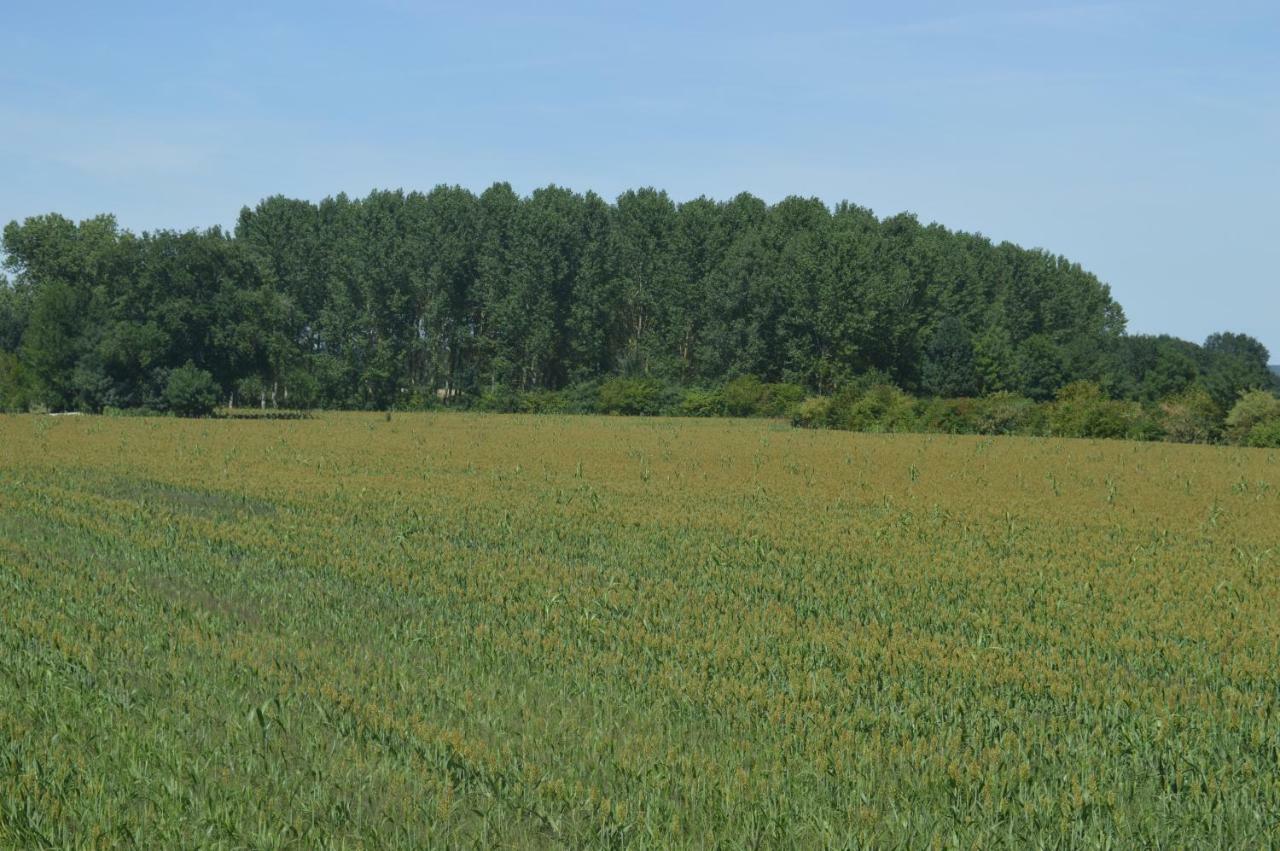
[[1141, 139]]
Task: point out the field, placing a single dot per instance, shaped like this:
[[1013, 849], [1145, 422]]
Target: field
[[457, 630]]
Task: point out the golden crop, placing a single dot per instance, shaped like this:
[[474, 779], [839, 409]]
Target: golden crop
[[540, 631]]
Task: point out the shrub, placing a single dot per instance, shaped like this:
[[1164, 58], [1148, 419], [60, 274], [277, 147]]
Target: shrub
[[814, 412], [190, 392], [631, 396], [1190, 417], [882, 407], [780, 399], [847, 396], [581, 398], [299, 390], [1009, 413], [1081, 410], [1254, 408], [748, 396], [699, 402], [1264, 435], [498, 399], [743, 396], [421, 399], [543, 402], [950, 416], [1146, 424]]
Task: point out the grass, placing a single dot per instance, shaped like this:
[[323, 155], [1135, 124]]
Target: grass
[[458, 630]]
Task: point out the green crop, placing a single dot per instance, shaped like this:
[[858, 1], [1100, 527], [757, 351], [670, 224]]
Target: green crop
[[456, 630]]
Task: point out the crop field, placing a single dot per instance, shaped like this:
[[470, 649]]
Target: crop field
[[478, 630]]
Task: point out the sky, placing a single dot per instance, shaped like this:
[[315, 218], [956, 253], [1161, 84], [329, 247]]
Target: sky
[[1140, 139]]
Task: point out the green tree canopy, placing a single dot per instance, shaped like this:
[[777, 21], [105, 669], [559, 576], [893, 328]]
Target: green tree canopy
[[400, 298]]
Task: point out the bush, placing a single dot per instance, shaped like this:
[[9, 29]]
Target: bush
[[299, 390], [1264, 435], [748, 396], [1190, 417], [780, 399], [420, 399], [1254, 408], [497, 400], [950, 416], [881, 407], [1081, 410], [1147, 424], [840, 409], [743, 396], [581, 398], [190, 392], [543, 402], [884, 408], [631, 396], [814, 412], [698, 402], [1009, 413]]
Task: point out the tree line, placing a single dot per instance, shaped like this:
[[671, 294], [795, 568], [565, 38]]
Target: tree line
[[410, 300]]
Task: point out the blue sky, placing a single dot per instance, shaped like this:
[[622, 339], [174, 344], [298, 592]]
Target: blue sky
[[1141, 139]]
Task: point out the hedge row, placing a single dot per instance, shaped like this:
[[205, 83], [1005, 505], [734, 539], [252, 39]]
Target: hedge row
[[873, 404]]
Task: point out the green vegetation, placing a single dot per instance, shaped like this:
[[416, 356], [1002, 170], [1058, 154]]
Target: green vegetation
[[454, 630], [498, 302], [190, 392]]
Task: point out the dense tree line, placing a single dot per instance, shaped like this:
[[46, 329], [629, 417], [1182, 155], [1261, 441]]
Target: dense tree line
[[411, 299]]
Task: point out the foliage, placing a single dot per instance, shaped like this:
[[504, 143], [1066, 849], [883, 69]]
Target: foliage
[[880, 407], [498, 399], [1043, 368], [503, 302], [779, 399], [455, 630], [814, 412], [1191, 417], [949, 416], [999, 413], [743, 396], [1264, 435], [1081, 410], [1254, 408], [702, 402], [949, 365], [381, 301], [1008, 413], [582, 398], [748, 396], [995, 362], [635, 396], [15, 384], [15, 311], [1234, 364], [544, 402], [1151, 368], [190, 392]]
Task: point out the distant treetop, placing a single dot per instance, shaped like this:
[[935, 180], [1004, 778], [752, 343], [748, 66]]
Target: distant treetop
[[397, 297]]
